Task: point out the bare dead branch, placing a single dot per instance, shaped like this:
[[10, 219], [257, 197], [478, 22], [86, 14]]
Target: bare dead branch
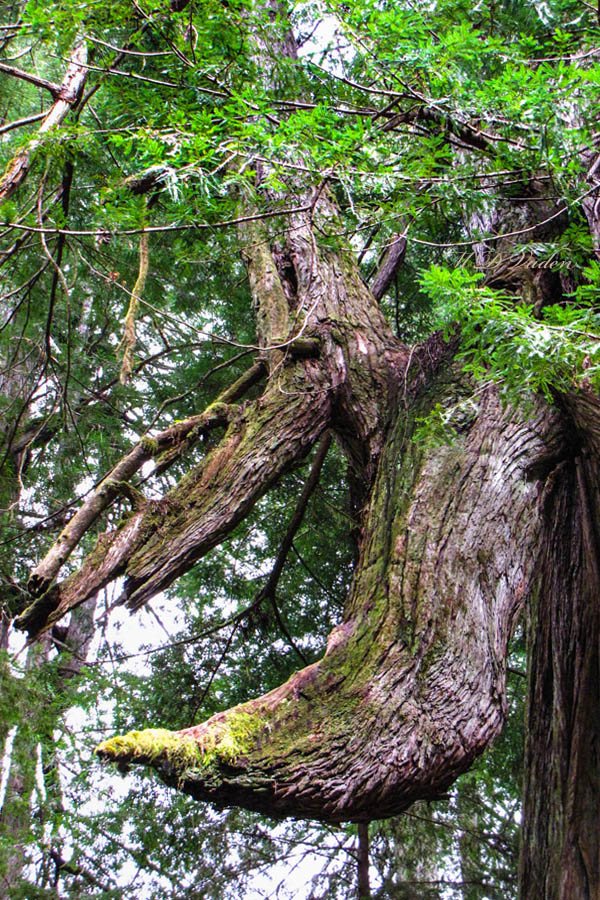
[[55, 89], [66, 95]]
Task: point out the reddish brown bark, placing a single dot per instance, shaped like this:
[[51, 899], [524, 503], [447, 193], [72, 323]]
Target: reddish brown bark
[[561, 839], [411, 688]]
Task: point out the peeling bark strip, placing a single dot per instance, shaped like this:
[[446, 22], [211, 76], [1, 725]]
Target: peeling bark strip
[[411, 688], [66, 95]]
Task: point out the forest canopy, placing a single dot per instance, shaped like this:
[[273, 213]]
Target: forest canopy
[[299, 448]]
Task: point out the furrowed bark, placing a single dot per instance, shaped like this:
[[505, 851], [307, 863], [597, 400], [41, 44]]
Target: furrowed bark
[[591, 203], [561, 843], [165, 447], [67, 95], [411, 688], [163, 539]]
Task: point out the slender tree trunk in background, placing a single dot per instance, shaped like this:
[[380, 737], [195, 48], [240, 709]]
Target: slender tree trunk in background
[[34, 745], [16, 811], [364, 885]]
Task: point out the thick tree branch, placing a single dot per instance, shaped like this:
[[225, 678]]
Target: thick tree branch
[[165, 538], [164, 447], [398, 706]]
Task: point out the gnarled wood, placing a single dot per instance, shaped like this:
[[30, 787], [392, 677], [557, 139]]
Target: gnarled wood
[[411, 688], [351, 386]]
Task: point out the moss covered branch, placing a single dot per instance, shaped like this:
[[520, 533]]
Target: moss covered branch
[[412, 686]]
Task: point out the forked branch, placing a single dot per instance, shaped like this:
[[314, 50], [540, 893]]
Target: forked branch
[[164, 447], [164, 538]]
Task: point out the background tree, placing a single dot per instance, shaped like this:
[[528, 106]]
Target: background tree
[[452, 157]]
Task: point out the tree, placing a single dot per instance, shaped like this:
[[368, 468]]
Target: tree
[[445, 142]]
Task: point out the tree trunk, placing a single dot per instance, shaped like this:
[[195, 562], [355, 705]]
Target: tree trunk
[[364, 886], [34, 744], [561, 838]]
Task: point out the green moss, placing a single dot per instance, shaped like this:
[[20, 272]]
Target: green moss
[[223, 741], [150, 445], [215, 410], [152, 746], [234, 736]]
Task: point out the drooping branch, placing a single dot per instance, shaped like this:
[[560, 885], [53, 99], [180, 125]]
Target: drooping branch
[[411, 687], [128, 340], [66, 95], [164, 447], [164, 538]]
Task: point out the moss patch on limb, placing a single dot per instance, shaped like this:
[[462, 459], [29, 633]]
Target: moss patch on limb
[[228, 737], [152, 746], [223, 739]]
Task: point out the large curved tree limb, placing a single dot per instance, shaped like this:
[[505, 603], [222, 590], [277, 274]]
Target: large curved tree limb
[[411, 688]]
